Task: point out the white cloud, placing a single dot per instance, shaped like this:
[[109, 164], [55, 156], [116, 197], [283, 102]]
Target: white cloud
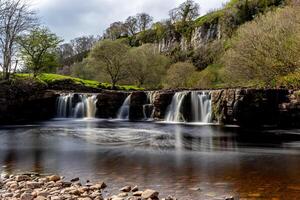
[[73, 18]]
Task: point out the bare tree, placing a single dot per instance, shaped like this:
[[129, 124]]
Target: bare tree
[[131, 25], [15, 18], [83, 44], [115, 31], [187, 11], [144, 21]]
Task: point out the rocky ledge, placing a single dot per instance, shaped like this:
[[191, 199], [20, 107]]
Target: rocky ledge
[[53, 187]]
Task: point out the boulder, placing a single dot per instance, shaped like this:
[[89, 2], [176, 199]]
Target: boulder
[[152, 194]]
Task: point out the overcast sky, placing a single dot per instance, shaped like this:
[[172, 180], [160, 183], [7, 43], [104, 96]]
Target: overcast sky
[[74, 18]]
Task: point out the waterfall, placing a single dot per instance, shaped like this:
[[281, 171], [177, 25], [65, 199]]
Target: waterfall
[[124, 110], [76, 106], [148, 108], [174, 111], [201, 106]]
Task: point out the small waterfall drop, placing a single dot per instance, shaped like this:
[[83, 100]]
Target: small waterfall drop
[[174, 111], [148, 108], [76, 106], [201, 106], [124, 110]]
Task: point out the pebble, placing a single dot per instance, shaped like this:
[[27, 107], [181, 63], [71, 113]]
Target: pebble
[[38, 187]]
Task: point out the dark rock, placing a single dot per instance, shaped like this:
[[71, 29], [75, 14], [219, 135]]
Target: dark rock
[[161, 103], [137, 100], [109, 102], [75, 179]]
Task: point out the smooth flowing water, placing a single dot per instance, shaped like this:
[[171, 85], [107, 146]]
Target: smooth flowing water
[[187, 161], [124, 110], [76, 106]]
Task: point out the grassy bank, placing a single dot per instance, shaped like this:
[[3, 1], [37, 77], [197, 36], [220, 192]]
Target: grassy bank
[[50, 79]]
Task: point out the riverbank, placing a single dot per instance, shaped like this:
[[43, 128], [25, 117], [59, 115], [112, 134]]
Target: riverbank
[[31, 186]]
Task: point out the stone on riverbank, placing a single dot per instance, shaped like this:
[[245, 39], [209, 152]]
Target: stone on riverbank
[[36, 187]]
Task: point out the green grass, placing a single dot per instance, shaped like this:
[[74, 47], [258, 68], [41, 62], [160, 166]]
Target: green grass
[[212, 17], [53, 78]]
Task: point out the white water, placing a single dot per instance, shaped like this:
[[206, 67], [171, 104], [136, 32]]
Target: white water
[[124, 110], [200, 105], [174, 111], [149, 105], [76, 106]]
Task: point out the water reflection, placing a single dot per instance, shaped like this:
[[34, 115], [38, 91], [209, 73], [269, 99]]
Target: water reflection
[[169, 157]]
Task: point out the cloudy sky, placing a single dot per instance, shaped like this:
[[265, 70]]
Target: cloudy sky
[[73, 18]]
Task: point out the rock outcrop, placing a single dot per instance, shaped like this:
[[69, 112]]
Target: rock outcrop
[[200, 36], [109, 102], [25, 102]]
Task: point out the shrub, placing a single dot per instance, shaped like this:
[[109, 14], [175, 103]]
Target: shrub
[[265, 49]]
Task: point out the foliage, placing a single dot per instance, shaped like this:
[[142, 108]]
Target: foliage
[[208, 54], [179, 74], [211, 77], [16, 18], [291, 81], [146, 66], [210, 18], [110, 58], [52, 78], [38, 50], [266, 48]]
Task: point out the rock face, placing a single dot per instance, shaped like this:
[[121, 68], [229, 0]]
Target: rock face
[[109, 102], [22, 102], [251, 107], [138, 99], [161, 103], [200, 36]]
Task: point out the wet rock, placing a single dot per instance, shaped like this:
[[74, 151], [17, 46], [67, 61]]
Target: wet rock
[[135, 189], [54, 178], [126, 189], [137, 193], [99, 186], [152, 194], [75, 179]]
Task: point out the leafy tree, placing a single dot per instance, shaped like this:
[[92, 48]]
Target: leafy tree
[[265, 48], [179, 74], [147, 66], [110, 57], [15, 18], [38, 49]]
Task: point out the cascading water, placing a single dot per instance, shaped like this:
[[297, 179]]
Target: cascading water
[[124, 110], [148, 108], [201, 106], [174, 111], [76, 106]]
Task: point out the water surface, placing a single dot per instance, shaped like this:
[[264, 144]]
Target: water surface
[[187, 161]]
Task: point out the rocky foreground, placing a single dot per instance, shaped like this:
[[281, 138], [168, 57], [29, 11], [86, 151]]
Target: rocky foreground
[[36, 187]]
